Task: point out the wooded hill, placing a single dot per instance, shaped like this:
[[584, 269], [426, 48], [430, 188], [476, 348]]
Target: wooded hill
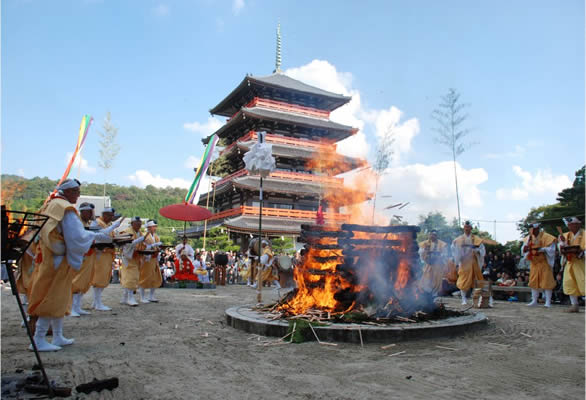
[[23, 194]]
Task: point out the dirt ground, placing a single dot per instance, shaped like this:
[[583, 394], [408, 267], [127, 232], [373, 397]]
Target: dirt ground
[[181, 348]]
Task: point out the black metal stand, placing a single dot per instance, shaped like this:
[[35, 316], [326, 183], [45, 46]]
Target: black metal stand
[[8, 262]]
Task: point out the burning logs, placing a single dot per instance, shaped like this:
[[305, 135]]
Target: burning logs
[[358, 267]]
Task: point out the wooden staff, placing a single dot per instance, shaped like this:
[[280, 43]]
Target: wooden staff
[[205, 223]]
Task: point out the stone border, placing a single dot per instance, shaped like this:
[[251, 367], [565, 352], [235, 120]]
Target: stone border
[[244, 318]]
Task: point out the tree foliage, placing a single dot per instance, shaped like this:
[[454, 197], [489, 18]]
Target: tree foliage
[[284, 245], [445, 232], [450, 118], [217, 239], [109, 149]]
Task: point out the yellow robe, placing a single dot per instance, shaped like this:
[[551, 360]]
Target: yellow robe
[[82, 279], [434, 269], [104, 259], [540, 273], [26, 268], [129, 273], [268, 274], [574, 269], [50, 293], [150, 274], [468, 270]]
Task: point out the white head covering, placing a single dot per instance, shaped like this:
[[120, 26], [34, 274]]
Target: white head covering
[[536, 225], [86, 207], [151, 222], [573, 220], [108, 209], [68, 184]]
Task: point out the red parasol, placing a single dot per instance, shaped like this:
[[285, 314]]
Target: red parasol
[[185, 212]]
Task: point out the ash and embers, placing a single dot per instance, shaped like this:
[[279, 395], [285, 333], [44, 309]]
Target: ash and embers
[[373, 271]]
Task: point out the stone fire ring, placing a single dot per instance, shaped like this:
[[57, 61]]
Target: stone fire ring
[[246, 319]]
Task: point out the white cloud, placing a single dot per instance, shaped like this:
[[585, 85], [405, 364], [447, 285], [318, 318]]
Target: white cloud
[[85, 167], [322, 74], [237, 6], [192, 162], [162, 10], [427, 187], [542, 182], [142, 178], [206, 128]]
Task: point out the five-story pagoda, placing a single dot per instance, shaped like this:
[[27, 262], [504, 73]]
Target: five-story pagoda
[[296, 120]]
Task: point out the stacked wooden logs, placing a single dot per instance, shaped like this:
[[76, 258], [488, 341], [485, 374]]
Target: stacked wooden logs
[[353, 250]]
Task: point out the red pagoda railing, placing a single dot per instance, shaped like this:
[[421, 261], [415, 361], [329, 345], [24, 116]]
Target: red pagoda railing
[[278, 212], [282, 106], [297, 176], [252, 135]]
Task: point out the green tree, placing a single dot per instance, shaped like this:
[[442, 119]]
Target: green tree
[[450, 118], [217, 239], [284, 245], [109, 149]]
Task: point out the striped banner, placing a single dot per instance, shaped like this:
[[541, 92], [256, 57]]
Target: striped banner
[[201, 170], [83, 131]]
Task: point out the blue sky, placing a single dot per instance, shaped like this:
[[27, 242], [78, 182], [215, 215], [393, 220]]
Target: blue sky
[[159, 66]]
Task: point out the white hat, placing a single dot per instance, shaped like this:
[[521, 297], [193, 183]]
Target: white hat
[[68, 184], [151, 222], [86, 207], [108, 210], [573, 220], [535, 225]]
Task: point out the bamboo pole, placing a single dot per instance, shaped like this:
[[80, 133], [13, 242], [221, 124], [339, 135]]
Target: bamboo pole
[[205, 223], [259, 269]]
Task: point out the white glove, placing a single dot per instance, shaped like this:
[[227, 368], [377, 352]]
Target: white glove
[[150, 246]]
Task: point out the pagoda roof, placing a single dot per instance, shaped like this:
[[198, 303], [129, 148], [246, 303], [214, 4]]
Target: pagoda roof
[[260, 118], [272, 185], [277, 85], [249, 223], [343, 163]]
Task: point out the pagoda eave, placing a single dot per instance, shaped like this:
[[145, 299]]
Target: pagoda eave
[[274, 86], [260, 119]]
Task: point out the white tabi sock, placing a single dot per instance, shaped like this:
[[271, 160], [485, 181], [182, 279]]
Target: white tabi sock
[[58, 338], [41, 329], [534, 297], [548, 293], [463, 294], [574, 300]]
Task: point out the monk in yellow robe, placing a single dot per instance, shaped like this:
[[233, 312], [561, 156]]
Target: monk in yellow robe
[[82, 279], [433, 253], [132, 261], [574, 268], [468, 252], [105, 254], [150, 273], [62, 245], [539, 249]]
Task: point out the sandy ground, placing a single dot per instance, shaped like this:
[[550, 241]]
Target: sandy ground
[[181, 348]]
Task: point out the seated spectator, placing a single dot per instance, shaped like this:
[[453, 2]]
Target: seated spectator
[[507, 280]]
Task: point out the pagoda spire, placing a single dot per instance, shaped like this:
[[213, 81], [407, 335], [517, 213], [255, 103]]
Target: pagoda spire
[[278, 56]]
